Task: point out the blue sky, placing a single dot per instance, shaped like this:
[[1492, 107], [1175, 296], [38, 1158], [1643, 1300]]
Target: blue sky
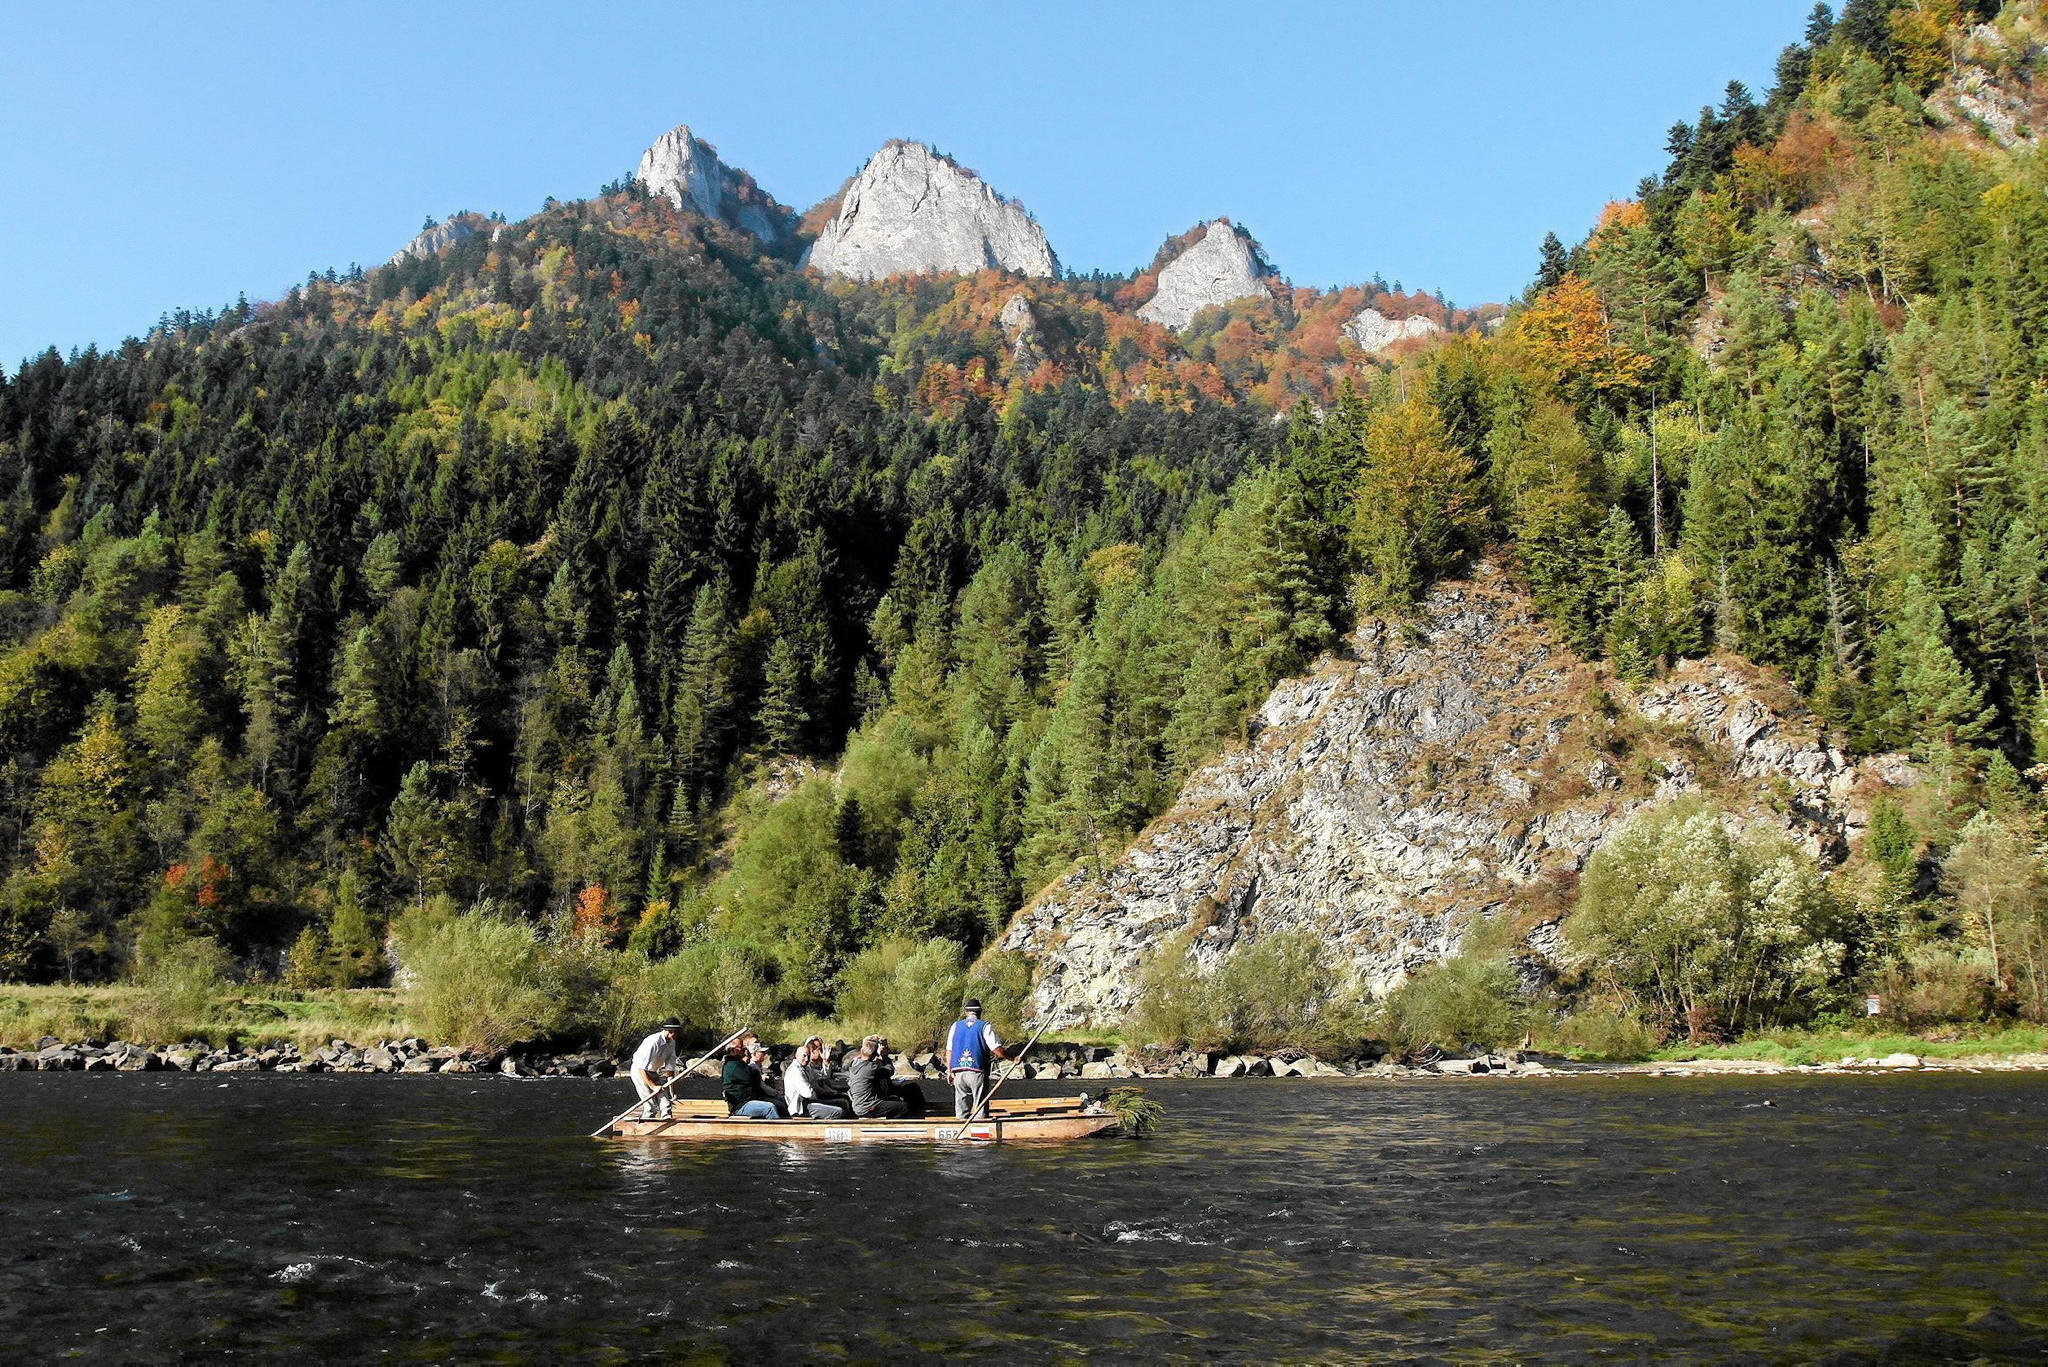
[[161, 156]]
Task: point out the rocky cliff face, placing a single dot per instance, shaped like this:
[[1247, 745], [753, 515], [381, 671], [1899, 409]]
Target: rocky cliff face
[[911, 211], [439, 238], [1020, 328], [1222, 265], [1374, 331], [1458, 765], [1992, 88], [686, 171]]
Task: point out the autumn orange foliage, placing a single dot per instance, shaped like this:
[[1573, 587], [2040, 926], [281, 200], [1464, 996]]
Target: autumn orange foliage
[[1566, 334], [593, 913], [1620, 215]]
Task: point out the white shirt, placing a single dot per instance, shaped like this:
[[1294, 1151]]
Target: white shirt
[[656, 1054], [796, 1088]]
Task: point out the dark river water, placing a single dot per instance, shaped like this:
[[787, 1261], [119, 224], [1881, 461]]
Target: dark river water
[[148, 1217]]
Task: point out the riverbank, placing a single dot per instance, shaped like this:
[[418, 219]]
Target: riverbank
[[1049, 1062], [252, 1016], [368, 1030]]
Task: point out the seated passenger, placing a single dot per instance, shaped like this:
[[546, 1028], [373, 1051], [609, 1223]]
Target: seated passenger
[[877, 1095], [807, 1088], [740, 1078]]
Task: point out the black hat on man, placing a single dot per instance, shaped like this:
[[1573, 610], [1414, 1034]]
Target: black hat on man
[[971, 1004], [670, 1024]]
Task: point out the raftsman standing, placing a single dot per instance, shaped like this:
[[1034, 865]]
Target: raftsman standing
[[970, 1044], [654, 1062]]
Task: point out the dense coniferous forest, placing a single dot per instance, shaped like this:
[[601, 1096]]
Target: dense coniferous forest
[[661, 596]]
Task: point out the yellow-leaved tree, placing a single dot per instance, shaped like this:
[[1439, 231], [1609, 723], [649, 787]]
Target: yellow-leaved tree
[[1418, 506], [1566, 338]]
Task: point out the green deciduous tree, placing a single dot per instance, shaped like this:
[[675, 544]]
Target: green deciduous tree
[[1712, 931]]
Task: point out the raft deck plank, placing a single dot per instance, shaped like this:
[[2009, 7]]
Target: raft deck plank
[[1040, 1127], [714, 1107]]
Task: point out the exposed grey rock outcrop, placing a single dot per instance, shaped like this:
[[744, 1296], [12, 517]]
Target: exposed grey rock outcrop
[[1020, 329], [439, 238], [1374, 331], [912, 211], [686, 171], [1416, 781], [1222, 265], [1991, 89]]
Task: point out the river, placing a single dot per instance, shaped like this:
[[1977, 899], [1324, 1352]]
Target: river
[[159, 1217]]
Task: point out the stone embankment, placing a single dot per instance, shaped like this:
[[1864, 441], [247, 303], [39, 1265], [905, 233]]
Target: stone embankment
[[338, 1056], [1048, 1062]]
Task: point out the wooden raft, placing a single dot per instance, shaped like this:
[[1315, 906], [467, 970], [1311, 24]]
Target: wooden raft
[[1022, 1120]]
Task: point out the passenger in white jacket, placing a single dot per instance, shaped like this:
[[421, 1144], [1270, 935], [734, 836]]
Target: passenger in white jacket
[[800, 1079]]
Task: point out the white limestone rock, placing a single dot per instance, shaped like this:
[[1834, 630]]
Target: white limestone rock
[[1020, 328], [1222, 265], [1411, 784], [433, 241], [686, 171], [1374, 331], [912, 211]]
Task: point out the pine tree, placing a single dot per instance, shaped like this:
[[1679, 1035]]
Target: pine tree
[[1947, 704], [781, 718], [1551, 268]]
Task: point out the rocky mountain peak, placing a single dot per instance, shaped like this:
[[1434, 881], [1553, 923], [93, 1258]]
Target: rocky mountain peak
[[436, 238], [686, 171], [911, 211], [1375, 331], [1220, 265]]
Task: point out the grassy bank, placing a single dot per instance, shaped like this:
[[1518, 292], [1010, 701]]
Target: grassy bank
[[258, 1016], [1831, 1046]]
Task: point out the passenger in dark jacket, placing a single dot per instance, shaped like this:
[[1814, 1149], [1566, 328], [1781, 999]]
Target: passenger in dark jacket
[[740, 1079], [871, 1082]]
